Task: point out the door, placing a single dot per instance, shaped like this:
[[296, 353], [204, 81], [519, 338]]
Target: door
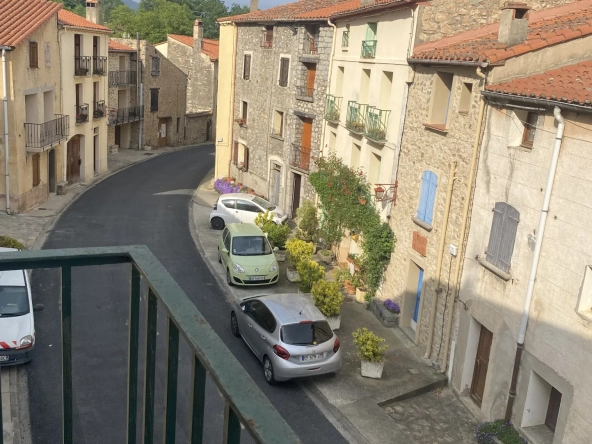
[[553, 409], [417, 300], [73, 160], [51, 174], [77, 64], [259, 322], [306, 143], [481, 365], [117, 135], [276, 178], [296, 194], [310, 78], [162, 132], [229, 213], [246, 211]]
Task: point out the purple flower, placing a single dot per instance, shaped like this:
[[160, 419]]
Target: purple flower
[[391, 306], [222, 186]]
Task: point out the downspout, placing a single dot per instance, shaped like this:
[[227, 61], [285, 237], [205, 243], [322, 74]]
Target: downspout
[[232, 97], [140, 91], [465, 220], [535, 260], [322, 150], [6, 148]]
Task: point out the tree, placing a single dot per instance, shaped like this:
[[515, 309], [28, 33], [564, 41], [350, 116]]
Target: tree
[[122, 21]]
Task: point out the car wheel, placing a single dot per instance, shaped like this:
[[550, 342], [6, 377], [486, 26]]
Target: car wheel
[[234, 325], [268, 371], [217, 223], [219, 257], [228, 277]]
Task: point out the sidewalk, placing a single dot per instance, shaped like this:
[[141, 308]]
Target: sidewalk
[[410, 404]]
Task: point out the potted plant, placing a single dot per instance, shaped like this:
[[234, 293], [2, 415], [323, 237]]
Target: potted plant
[[297, 251], [328, 299], [350, 288], [361, 289], [326, 256], [371, 351], [277, 234], [362, 200]]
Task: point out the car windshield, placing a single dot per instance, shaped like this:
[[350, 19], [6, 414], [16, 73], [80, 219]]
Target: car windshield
[[250, 246], [13, 301], [263, 203], [312, 333]]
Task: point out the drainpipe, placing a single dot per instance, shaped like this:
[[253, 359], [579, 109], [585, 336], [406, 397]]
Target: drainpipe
[[535, 259], [6, 150], [332, 25], [451, 178], [232, 98], [139, 90], [465, 220]]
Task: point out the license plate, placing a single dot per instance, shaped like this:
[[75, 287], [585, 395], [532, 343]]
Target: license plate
[[256, 278], [3, 358], [313, 357]]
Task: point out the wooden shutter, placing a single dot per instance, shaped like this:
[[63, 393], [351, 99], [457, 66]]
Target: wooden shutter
[[502, 236], [245, 158], [247, 67], [33, 55], [36, 170], [235, 153], [427, 197], [284, 70]]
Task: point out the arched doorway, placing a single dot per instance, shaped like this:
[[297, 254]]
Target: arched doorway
[[51, 174], [73, 160], [209, 130]]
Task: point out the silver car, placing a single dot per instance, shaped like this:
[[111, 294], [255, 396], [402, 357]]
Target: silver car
[[242, 208], [288, 334]]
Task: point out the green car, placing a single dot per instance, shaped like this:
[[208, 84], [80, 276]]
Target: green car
[[247, 256]]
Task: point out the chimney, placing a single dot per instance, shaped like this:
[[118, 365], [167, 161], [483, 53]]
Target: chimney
[[92, 11], [197, 34], [254, 5], [513, 23]]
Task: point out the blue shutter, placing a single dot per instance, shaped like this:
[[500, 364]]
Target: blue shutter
[[425, 210]]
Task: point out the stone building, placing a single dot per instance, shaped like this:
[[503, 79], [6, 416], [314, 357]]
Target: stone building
[[37, 124]]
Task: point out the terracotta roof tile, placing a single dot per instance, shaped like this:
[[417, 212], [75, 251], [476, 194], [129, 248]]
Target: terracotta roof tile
[[299, 10], [185, 39], [116, 46], [20, 18], [209, 47], [569, 84], [545, 28], [71, 19]]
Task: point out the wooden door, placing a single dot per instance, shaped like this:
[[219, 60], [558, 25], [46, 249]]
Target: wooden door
[[310, 78], [296, 194], [481, 365], [73, 160], [51, 165], [553, 409], [162, 132], [306, 144], [77, 45]]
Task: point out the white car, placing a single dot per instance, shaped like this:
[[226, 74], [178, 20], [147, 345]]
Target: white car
[[17, 325], [242, 208]]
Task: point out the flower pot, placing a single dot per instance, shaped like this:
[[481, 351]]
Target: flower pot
[[372, 369], [334, 321], [351, 290], [326, 259], [280, 255], [292, 275], [362, 201], [360, 295]]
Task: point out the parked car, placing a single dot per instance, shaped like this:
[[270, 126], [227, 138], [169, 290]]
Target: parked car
[[247, 256], [241, 208], [17, 324], [288, 334]]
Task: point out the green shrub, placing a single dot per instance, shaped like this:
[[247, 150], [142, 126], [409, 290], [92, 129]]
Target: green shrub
[[308, 224], [278, 235], [504, 431], [370, 347], [327, 297], [342, 275], [263, 220], [9, 242], [299, 251], [309, 272]]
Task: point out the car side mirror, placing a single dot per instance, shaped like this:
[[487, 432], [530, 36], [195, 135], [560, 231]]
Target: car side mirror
[[243, 307], [224, 250], [38, 307], [276, 249]]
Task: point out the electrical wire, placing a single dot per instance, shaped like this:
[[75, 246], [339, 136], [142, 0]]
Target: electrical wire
[[445, 305]]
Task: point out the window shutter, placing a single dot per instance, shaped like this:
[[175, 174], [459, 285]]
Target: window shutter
[[503, 236], [423, 197], [432, 185], [36, 170], [235, 153], [246, 159], [247, 67], [284, 69], [33, 56]]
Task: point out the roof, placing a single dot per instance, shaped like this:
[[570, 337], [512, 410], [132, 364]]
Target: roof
[[545, 28], [209, 47], [70, 19], [290, 308], [568, 84], [20, 18], [247, 229], [299, 10], [115, 46]]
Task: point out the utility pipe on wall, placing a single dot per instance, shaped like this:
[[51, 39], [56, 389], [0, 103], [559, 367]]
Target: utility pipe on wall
[[6, 148], [535, 259]]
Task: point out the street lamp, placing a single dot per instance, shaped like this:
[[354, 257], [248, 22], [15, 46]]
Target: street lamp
[[384, 192]]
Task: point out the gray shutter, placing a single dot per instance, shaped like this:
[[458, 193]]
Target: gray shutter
[[247, 67], [284, 69], [502, 236]]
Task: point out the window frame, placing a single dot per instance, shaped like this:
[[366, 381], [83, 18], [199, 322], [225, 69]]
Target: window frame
[[426, 204], [529, 130], [155, 67], [36, 169], [154, 92], [244, 111], [247, 75], [33, 55], [287, 74], [276, 114], [502, 234], [466, 96], [439, 81], [247, 203]]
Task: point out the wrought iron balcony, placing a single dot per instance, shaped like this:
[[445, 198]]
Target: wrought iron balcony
[[41, 135], [267, 39], [332, 108], [99, 109], [356, 117], [345, 39], [82, 113], [369, 49], [311, 45], [81, 65], [99, 66], [300, 157], [186, 331], [119, 116], [305, 93], [121, 78], [376, 124]]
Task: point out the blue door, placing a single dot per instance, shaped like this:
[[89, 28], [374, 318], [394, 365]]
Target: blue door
[[418, 296]]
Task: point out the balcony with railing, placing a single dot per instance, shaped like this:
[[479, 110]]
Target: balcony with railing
[[332, 108], [369, 49], [305, 93], [81, 65], [311, 43], [300, 157], [99, 66], [356, 117], [119, 116], [99, 109], [38, 136], [191, 347], [376, 124], [122, 78], [82, 113]]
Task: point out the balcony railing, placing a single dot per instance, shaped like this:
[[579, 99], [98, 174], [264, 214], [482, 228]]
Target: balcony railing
[[267, 39], [311, 45], [119, 116], [82, 113], [186, 331], [99, 109], [40, 135], [304, 92], [99, 66], [356, 117], [376, 124], [369, 49], [345, 39], [120, 78], [300, 157], [81, 65], [332, 108]]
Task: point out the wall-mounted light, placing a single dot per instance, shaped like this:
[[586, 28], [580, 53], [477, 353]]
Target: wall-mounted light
[[386, 192]]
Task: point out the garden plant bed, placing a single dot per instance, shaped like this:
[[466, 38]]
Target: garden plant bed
[[387, 318]]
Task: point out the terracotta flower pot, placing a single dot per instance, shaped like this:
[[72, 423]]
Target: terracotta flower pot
[[362, 201], [351, 290]]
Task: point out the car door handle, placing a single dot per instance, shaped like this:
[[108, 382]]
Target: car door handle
[[250, 326], [263, 337]]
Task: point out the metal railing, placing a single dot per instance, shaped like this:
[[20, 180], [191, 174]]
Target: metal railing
[[99, 66], [267, 39], [376, 124], [369, 49], [332, 108], [345, 39], [118, 116], [311, 45], [305, 91], [81, 65], [82, 113], [300, 157], [99, 109], [244, 402], [40, 135], [355, 120], [118, 78]]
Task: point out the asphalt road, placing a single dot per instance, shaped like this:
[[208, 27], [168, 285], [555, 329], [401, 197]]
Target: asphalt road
[[146, 204]]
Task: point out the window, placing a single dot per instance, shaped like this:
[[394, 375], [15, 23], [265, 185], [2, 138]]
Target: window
[[284, 71], [542, 405], [33, 55], [268, 37], [235, 153], [466, 93], [315, 333], [529, 129], [386, 86], [261, 315], [442, 88], [585, 299], [364, 86], [229, 203], [155, 66], [371, 31], [247, 67], [178, 124], [153, 99], [355, 155], [427, 197], [244, 112], [278, 123], [332, 142], [47, 54], [502, 236], [345, 37], [339, 80], [374, 170], [244, 163], [36, 170], [247, 206], [227, 240]]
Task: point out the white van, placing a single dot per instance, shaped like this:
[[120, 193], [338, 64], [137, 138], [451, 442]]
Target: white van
[[17, 326]]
